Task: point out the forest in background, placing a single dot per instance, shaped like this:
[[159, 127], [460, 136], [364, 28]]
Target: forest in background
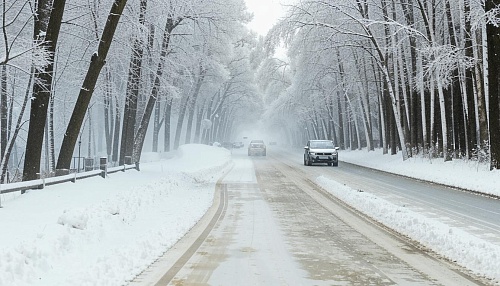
[[419, 77], [84, 79], [93, 78]]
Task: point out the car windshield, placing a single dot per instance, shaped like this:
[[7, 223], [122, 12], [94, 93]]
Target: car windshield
[[322, 144]]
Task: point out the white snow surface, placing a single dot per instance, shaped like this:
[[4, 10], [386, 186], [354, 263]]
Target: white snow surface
[[106, 231], [480, 256]]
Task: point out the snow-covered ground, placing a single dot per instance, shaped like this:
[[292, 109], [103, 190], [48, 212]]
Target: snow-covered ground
[[480, 256], [105, 231], [458, 173]]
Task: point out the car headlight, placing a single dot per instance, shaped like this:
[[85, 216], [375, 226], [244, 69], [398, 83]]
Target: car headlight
[[312, 153]]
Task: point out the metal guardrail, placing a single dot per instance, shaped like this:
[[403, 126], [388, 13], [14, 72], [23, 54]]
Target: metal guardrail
[[41, 183]]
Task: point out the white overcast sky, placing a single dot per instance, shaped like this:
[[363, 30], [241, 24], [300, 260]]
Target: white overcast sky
[[266, 13]]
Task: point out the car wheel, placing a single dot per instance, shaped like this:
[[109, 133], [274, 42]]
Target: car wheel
[[330, 163], [336, 164], [309, 163], [305, 163]]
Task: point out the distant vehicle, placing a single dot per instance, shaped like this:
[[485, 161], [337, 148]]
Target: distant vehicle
[[321, 151], [227, 145], [257, 147], [238, 145], [272, 143]]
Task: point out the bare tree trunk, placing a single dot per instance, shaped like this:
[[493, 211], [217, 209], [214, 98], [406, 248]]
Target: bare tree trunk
[[444, 119], [340, 100], [381, 109], [432, 110], [189, 126], [108, 114], [3, 110], [415, 127], [47, 149], [180, 120], [456, 94], [192, 104], [315, 125], [116, 136], [4, 160], [365, 108], [52, 136], [493, 39], [423, 117], [482, 108], [207, 136], [167, 113], [348, 123], [331, 132], [157, 119], [50, 26], [390, 138], [143, 127], [199, 116], [156, 126], [133, 86], [97, 62], [89, 146], [469, 75]]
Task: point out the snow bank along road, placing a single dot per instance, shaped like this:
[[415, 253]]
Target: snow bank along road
[[272, 225]]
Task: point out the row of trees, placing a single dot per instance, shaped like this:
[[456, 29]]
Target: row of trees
[[416, 76], [71, 74]]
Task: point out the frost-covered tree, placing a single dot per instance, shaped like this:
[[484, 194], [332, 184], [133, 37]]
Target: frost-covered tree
[[97, 61], [492, 8], [48, 17], [408, 73]]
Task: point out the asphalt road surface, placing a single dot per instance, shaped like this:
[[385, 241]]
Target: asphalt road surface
[[271, 225]]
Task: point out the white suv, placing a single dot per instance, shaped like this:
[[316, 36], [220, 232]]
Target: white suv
[[321, 151]]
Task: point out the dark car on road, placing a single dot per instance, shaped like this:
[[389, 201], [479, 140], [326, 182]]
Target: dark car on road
[[227, 145], [257, 147], [321, 151]]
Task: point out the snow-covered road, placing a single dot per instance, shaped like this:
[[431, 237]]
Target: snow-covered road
[[278, 229], [107, 231]]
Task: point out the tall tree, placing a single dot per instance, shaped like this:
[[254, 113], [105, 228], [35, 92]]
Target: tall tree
[[46, 30], [97, 62], [3, 110], [133, 86], [170, 25], [492, 7]]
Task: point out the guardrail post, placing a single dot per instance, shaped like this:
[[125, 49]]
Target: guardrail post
[[103, 165], [137, 166], [128, 160], [74, 178], [89, 164], [41, 186]]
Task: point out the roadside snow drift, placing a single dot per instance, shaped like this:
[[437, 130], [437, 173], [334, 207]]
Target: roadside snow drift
[[106, 231]]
